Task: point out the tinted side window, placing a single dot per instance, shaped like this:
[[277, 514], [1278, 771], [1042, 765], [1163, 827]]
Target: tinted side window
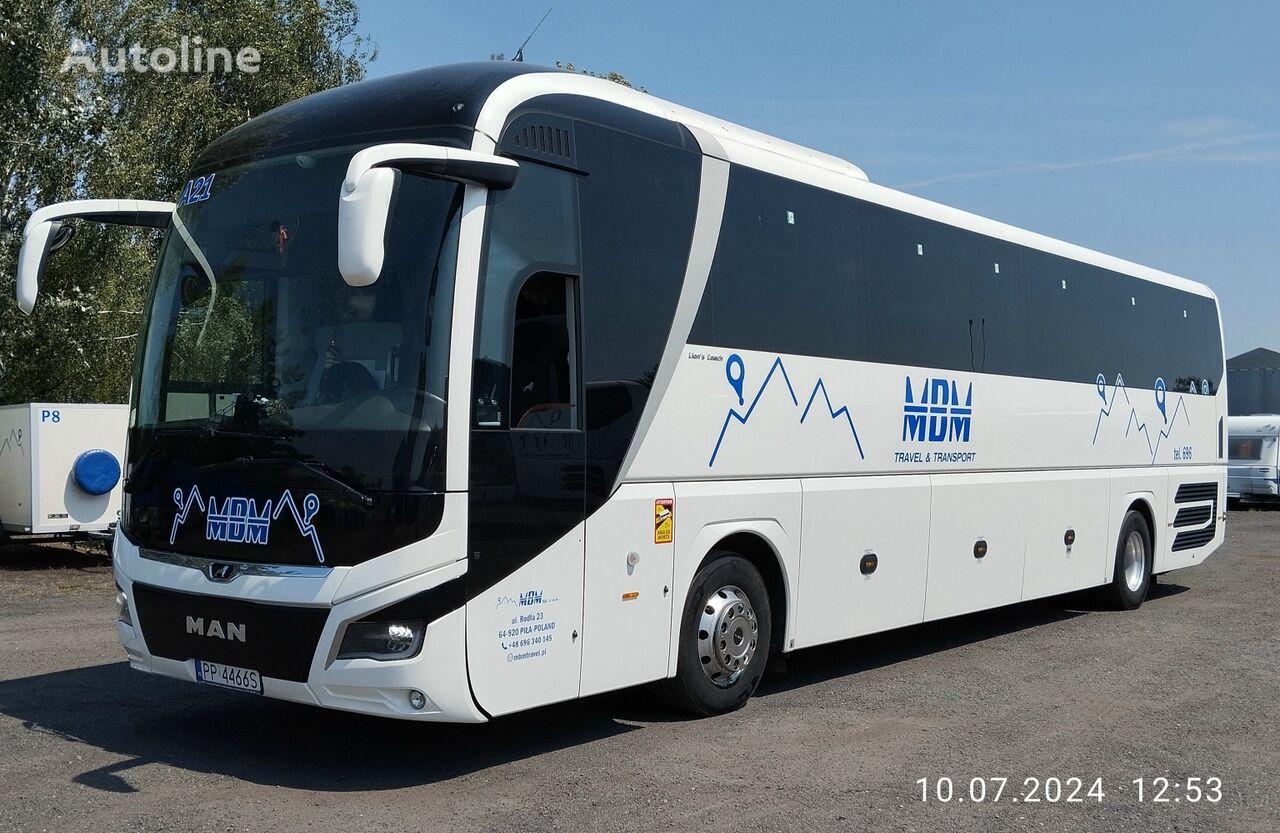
[[1066, 324], [802, 270], [638, 201], [998, 289], [919, 304], [785, 274]]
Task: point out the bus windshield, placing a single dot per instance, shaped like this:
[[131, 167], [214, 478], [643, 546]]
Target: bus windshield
[[252, 336]]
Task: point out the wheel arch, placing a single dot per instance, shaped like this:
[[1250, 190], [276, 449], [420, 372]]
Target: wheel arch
[[1142, 505], [762, 554]]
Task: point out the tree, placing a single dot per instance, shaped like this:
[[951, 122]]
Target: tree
[[74, 133], [615, 77]]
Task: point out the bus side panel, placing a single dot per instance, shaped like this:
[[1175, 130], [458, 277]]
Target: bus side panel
[[627, 597], [845, 520], [977, 537], [1066, 505]]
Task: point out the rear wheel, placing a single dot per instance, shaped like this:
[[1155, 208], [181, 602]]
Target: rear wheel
[[724, 638], [1134, 557]]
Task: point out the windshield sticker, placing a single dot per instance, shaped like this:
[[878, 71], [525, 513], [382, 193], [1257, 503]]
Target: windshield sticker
[[196, 190], [237, 520]]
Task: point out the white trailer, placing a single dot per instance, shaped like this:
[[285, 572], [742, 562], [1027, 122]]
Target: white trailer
[[1253, 451], [60, 469]]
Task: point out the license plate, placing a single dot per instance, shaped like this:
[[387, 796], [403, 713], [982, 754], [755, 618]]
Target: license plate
[[228, 676]]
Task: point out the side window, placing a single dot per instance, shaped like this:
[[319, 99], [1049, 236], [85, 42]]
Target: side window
[[544, 361], [785, 276], [1066, 320], [918, 301], [532, 245]]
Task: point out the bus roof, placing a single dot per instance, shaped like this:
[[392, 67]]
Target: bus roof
[[751, 148], [468, 105]]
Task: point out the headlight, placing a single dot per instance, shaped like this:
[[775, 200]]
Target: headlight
[[122, 607], [382, 640]]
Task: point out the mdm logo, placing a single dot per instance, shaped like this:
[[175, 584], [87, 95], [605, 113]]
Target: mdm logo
[[938, 415], [238, 520]]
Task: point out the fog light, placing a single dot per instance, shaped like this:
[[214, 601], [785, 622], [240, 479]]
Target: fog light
[[417, 700], [122, 607], [381, 640]]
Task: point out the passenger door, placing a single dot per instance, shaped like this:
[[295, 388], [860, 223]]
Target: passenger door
[[526, 504]]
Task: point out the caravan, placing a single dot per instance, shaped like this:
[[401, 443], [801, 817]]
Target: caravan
[[1253, 470]]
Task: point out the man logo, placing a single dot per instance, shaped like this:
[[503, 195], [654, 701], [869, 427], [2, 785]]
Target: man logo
[[938, 415], [230, 632], [220, 571]]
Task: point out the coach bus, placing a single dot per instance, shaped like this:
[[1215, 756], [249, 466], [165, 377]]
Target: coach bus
[[484, 387]]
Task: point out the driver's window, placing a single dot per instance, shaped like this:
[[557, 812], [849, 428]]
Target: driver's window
[[544, 383]]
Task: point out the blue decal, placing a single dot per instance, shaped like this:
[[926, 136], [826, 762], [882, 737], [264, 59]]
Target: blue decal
[[938, 415], [238, 520], [832, 411], [1134, 420], [736, 361], [196, 190]]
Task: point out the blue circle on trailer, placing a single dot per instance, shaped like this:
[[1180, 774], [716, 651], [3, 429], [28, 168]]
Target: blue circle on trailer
[[97, 471]]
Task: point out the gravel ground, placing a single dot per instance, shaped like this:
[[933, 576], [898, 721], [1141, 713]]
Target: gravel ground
[[1186, 686]]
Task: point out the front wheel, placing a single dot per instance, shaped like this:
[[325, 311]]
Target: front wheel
[[724, 638], [1134, 558]]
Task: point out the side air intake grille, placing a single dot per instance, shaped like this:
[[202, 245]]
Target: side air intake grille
[[542, 138], [1197, 508], [1188, 492], [551, 141]]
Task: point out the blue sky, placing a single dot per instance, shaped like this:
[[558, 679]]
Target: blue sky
[[1146, 130]]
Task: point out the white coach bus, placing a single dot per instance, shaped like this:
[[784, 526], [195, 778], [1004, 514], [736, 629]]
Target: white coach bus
[[485, 387]]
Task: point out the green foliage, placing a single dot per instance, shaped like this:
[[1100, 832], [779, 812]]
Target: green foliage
[[69, 135], [615, 77]]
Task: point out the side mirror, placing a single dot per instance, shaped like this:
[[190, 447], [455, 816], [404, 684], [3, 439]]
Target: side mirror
[[45, 234], [364, 204]]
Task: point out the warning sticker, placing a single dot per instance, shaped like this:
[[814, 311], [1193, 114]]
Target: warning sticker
[[663, 520]]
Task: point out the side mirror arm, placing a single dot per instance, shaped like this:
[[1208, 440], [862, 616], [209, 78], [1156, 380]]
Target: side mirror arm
[[40, 238], [364, 204]]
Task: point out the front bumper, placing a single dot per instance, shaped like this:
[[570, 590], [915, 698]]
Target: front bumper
[[304, 664]]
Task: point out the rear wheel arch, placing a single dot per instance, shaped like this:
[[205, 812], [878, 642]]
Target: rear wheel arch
[[1142, 505]]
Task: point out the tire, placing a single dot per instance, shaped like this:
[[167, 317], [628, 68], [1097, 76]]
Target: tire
[[727, 595], [1134, 558]]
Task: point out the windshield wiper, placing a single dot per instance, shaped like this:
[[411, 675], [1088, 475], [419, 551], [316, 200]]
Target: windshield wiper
[[314, 466]]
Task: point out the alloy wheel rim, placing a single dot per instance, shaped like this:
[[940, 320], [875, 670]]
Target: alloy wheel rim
[[728, 635], [1135, 561]]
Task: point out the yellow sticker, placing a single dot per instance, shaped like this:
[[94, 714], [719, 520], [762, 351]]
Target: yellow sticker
[[663, 520]]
